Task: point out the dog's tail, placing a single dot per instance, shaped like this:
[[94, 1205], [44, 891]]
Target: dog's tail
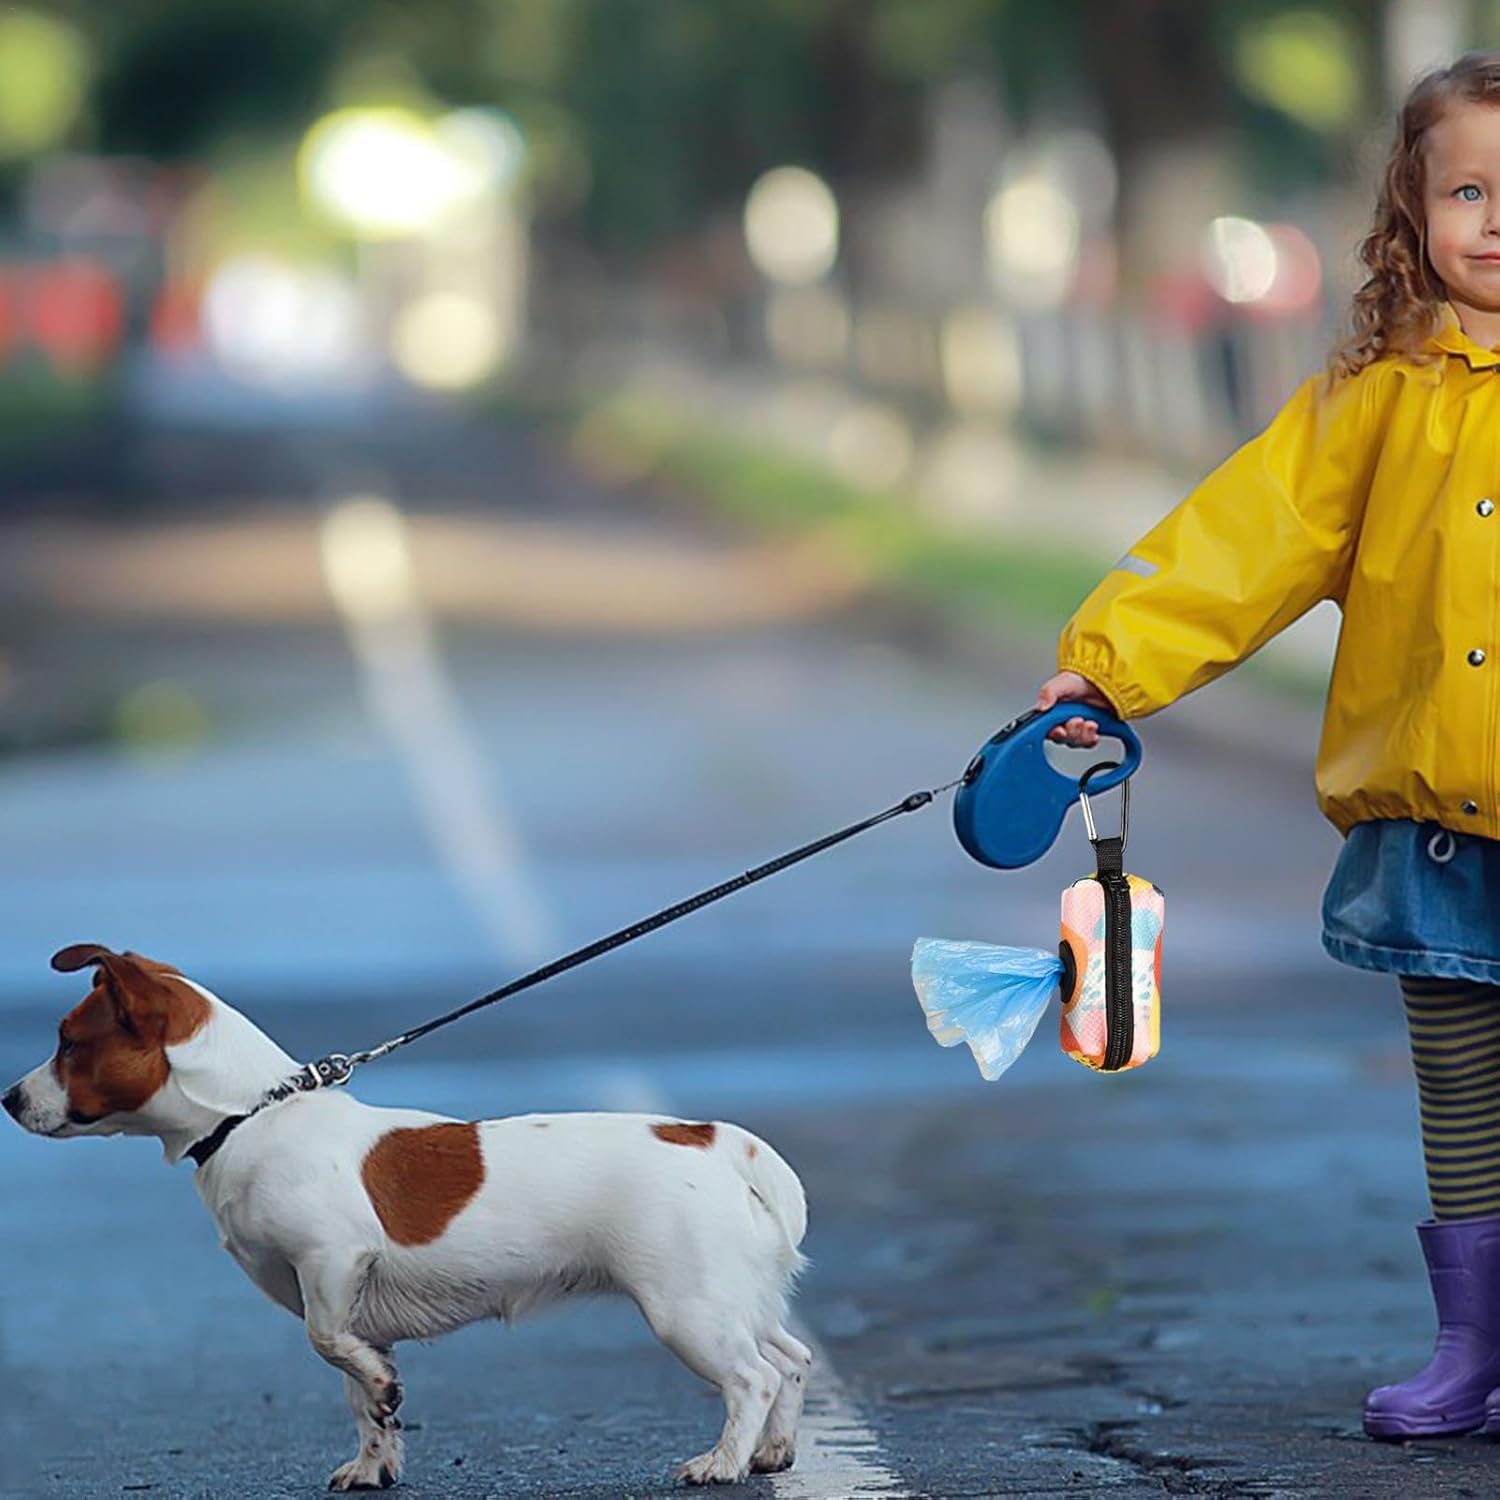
[[775, 1187]]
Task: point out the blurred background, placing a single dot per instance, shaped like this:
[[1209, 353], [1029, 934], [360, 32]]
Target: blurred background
[[936, 226], [474, 473]]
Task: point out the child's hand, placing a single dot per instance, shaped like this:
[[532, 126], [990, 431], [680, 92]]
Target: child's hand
[[1067, 686]]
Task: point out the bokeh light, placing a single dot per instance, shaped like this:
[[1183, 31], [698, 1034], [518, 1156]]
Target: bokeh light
[[273, 323], [792, 226], [43, 71], [1031, 235], [446, 340], [1298, 284], [972, 472], [871, 446], [367, 558], [1304, 62], [487, 143], [388, 173], [1239, 259], [981, 361]]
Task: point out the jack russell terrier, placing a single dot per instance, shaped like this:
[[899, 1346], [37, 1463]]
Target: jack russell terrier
[[376, 1225]]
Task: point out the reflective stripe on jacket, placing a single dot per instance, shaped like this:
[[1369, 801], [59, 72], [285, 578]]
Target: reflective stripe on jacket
[[1381, 493]]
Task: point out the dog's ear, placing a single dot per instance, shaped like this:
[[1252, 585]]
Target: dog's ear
[[79, 956], [143, 1004]]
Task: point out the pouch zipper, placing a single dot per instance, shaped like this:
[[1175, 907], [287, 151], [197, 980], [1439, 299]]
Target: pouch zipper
[[1119, 986]]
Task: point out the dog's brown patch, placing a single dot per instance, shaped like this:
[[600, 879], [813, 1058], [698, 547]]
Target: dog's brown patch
[[751, 1150], [420, 1178], [680, 1134], [111, 1056]]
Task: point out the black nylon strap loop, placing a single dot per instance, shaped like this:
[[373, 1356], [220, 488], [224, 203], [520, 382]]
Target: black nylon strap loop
[[1110, 854]]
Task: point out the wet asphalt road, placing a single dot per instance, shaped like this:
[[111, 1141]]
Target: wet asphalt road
[[1177, 1281]]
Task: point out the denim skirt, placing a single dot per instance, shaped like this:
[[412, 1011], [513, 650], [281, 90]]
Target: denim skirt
[[1415, 898]]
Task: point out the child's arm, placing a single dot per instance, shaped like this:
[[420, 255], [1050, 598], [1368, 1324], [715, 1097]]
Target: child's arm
[[1267, 535]]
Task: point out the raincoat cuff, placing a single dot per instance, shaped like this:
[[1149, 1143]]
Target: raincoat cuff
[[1089, 665]]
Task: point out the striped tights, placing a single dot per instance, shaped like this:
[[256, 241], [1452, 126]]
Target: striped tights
[[1455, 1046]]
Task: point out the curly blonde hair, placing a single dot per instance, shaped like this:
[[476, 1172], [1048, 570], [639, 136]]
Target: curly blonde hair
[[1397, 306]]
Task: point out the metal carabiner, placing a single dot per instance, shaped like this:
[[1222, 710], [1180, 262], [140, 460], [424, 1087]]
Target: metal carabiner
[[1088, 812]]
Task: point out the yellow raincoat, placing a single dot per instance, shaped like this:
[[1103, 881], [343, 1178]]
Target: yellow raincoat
[[1382, 494]]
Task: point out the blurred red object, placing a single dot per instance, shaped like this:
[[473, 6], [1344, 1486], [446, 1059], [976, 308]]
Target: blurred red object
[[175, 320], [1184, 300], [10, 316], [1297, 290], [74, 310]]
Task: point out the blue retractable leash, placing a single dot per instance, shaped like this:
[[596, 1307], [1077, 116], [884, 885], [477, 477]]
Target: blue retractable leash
[[995, 822], [1009, 809], [1010, 806]]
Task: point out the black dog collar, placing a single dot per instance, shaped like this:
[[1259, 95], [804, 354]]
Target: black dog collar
[[200, 1151]]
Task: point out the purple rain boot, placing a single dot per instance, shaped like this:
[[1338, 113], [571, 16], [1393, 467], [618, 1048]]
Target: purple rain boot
[[1463, 1264]]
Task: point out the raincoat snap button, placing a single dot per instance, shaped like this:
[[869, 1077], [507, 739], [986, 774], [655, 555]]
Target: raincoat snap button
[[1476, 657], [1471, 807], [1486, 507]]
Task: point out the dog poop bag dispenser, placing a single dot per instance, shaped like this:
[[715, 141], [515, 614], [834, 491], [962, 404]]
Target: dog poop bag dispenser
[[1107, 973]]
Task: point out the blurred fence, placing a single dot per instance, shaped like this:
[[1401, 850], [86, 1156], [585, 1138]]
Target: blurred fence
[[1104, 378]]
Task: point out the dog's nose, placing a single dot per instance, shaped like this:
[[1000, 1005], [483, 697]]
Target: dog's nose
[[12, 1101]]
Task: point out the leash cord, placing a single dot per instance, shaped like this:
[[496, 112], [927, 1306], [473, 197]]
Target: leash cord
[[337, 1067], [662, 918]]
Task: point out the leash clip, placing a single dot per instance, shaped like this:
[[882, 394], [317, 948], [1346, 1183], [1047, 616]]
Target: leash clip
[[1088, 812], [330, 1071]]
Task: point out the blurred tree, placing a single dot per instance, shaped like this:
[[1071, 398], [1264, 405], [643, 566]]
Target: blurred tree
[[44, 64], [1155, 70], [644, 116], [178, 78], [682, 104], [1308, 81], [674, 103]]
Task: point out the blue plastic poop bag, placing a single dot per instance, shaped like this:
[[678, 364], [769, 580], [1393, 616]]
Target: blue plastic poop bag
[[989, 997]]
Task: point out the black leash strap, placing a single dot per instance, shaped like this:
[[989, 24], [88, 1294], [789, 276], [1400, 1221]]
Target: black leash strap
[[661, 918], [337, 1067]]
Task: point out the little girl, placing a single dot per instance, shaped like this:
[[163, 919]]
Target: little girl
[[1377, 485]]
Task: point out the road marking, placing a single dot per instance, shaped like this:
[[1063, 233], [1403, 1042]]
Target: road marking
[[838, 1456], [368, 569]]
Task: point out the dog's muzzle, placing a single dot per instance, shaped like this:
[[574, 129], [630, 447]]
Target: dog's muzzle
[[30, 1102]]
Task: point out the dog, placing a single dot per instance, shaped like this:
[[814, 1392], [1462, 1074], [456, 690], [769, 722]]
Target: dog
[[377, 1225]]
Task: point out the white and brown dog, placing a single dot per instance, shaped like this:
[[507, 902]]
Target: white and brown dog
[[376, 1225]]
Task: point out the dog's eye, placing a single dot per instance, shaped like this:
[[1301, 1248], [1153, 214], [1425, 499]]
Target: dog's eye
[[65, 1045]]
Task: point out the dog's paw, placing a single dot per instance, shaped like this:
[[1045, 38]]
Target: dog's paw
[[366, 1473], [713, 1467], [773, 1456], [388, 1398]]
